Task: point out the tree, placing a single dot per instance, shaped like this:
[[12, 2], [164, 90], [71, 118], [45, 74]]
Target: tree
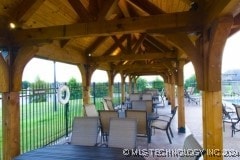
[[158, 84], [141, 84], [75, 89], [25, 84], [191, 82], [39, 91], [99, 89]]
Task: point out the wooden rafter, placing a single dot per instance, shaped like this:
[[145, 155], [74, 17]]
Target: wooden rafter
[[82, 12], [146, 6], [26, 9], [130, 57], [115, 45], [123, 49], [108, 7], [169, 22]]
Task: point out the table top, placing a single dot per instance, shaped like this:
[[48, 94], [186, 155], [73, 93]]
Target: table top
[[76, 152]]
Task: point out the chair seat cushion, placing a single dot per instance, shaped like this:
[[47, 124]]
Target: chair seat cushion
[[161, 124]]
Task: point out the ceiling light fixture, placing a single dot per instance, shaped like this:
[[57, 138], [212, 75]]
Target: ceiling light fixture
[[12, 25]]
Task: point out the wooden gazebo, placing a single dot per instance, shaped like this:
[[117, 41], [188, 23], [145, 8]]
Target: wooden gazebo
[[130, 37]]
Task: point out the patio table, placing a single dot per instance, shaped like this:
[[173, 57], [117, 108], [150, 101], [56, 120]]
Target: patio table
[[76, 152]]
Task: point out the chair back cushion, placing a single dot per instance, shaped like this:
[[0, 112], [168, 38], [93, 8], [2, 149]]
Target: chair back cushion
[[139, 105], [105, 117], [84, 131], [109, 103], [90, 110], [141, 117], [122, 133], [134, 96], [146, 96]]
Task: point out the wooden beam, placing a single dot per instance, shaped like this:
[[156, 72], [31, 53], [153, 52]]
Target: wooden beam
[[26, 9], [108, 7], [139, 42], [174, 22], [82, 12], [92, 47], [135, 57], [123, 49], [216, 9], [146, 6], [67, 55], [115, 45], [141, 67]]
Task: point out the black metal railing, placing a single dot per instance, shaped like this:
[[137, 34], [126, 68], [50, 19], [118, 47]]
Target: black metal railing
[[43, 120]]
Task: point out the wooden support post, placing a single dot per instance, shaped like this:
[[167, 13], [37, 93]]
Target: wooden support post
[[86, 72], [130, 85], [11, 125], [212, 123], [180, 89], [123, 87], [210, 83], [167, 90], [135, 85], [111, 83], [172, 92]]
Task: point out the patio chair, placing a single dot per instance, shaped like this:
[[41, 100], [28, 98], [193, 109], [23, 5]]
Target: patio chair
[[134, 97], [104, 105], [149, 106], [142, 123], [138, 105], [190, 143], [109, 103], [234, 127], [90, 110], [122, 133], [84, 131], [228, 117], [164, 123], [147, 96], [104, 117]]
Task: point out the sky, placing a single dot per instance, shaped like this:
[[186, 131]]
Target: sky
[[45, 68]]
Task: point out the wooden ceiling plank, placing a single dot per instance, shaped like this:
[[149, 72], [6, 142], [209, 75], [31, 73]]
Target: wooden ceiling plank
[[92, 47], [173, 22], [82, 12], [157, 44], [26, 9], [107, 9], [147, 6]]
